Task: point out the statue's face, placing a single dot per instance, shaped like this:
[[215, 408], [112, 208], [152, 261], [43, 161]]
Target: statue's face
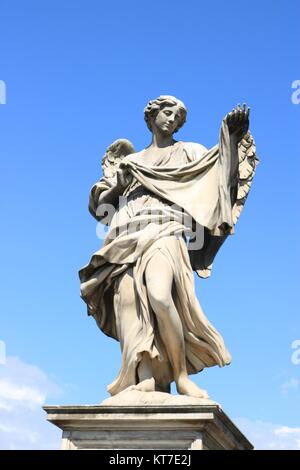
[[167, 120]]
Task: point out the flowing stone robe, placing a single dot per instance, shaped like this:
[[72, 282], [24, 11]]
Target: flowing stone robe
[[188, 179]]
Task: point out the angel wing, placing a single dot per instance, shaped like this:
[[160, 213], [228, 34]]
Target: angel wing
[[110, 163], [248, 161], [114, 155]]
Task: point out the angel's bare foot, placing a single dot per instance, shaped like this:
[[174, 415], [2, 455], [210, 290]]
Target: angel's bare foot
[[185, 386], [147, 385]]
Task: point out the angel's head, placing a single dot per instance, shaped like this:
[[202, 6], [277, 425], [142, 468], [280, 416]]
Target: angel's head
[[165, 112]]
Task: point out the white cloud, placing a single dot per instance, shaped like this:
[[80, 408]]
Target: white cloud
[[23, 390], [27, 396], [269, 436]]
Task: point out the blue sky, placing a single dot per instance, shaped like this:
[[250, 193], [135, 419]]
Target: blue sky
[[78, 75]]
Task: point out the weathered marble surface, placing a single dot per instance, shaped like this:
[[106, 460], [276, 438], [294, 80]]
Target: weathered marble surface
[[138, 398], [182, 426], [139, 286]]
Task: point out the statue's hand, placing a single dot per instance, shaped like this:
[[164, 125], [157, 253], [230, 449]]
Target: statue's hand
[[124, 178], [238, 121]]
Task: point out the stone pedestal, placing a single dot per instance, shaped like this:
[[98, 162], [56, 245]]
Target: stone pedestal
[[178, 426]]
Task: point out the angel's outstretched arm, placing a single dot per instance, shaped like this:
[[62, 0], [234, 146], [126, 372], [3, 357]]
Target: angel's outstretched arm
[[237, 122]]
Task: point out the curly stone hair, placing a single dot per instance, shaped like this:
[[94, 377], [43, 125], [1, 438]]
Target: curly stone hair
[[154, 106]]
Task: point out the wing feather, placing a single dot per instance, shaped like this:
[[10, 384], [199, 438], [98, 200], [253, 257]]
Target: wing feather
[[114, 155], [248, 161]]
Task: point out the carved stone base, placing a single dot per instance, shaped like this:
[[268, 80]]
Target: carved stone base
[[202, 426]]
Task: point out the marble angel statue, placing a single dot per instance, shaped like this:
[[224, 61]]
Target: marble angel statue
[[139, 286]]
